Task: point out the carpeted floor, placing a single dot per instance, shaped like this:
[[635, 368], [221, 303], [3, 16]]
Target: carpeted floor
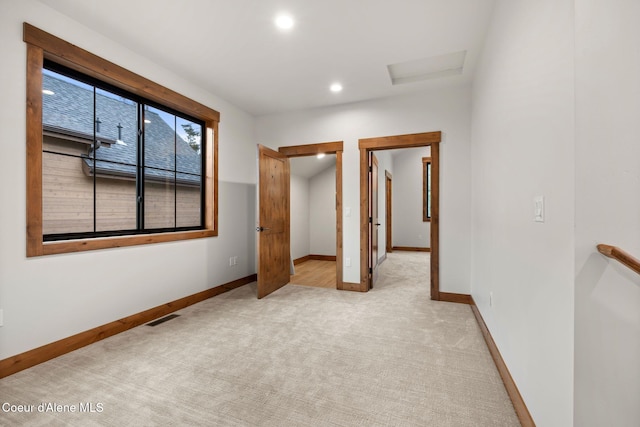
[[302, 356]]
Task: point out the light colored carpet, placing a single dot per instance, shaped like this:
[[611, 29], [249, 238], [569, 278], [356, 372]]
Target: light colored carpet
[[300, 357]]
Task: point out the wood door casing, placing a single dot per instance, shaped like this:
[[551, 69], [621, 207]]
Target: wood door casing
[[335, 147], [388, 213], [366, 145], [374, 220], [274, 253]]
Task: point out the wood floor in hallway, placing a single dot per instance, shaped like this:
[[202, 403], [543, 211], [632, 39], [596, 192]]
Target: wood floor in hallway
[[319, 274]]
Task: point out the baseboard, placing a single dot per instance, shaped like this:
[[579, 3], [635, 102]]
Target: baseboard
[[512, 390], [411, 249], [451, 297], [301, 259], [50, 351], [323, 257], [347, 286], [314, 257]]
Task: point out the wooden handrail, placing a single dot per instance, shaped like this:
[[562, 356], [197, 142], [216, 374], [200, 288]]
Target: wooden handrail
[[620, 255]]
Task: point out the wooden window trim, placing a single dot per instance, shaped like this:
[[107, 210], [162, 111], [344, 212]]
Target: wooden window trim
[[425, 212], [41, 45]]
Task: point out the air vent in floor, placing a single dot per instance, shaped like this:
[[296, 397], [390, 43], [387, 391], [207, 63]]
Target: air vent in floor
[[164, 319]]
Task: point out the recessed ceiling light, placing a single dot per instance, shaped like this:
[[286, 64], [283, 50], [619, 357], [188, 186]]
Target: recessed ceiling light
[[336, 87], [48, 92], [320, 155], [284, 21]]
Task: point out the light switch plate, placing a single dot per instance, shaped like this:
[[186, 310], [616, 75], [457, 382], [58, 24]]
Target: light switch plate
[[538, 209]]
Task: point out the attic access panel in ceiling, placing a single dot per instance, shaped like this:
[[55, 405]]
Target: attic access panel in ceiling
[[449, 64]]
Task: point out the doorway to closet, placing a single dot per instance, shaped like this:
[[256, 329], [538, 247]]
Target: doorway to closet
[[318, 168]]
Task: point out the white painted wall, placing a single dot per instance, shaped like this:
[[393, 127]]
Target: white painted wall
[[299, 203], [523, 146], [607, 294], [322, 212], [445, 109], [408, 227], [53, 297]]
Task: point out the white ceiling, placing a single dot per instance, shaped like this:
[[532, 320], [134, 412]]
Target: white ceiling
[[310, 166], [233, 49]]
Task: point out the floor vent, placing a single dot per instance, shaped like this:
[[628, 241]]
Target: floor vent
[[164, 319]]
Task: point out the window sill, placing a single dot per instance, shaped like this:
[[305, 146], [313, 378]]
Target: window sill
[[53, 248]]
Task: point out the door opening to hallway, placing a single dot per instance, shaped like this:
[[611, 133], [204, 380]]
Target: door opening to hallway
[[370, 170]]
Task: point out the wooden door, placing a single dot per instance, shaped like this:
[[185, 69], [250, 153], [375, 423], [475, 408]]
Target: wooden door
[[374, 220], [273, 221]]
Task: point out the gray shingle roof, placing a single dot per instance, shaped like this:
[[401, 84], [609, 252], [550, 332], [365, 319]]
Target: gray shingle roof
[[71, 108]]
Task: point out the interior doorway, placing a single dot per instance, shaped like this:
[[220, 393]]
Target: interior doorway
[[327, 148], [370, 145]]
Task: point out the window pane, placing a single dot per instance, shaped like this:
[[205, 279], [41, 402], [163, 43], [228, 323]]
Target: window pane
[[188, 197], [189, 176], [67, 195], [115, 204], [189, 147], [67, 142], [67, 114], [115, 161], [159, 157], [159, 199], [159, 139]]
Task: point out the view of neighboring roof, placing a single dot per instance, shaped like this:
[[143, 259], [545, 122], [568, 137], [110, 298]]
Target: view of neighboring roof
[[70, 111]]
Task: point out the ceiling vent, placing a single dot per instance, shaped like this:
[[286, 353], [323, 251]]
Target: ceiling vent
[[449, 64]]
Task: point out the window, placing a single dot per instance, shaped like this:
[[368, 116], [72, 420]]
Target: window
[[114, 164], [112, 158], [426, 189]]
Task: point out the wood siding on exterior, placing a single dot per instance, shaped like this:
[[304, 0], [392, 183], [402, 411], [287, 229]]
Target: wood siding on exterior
[[67, 196]]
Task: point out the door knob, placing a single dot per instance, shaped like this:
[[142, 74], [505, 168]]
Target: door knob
[[262, 228]]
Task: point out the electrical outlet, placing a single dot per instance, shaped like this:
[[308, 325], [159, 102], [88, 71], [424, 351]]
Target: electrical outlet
[[230, 261], [235, 260], [347, 262], [490, 299]]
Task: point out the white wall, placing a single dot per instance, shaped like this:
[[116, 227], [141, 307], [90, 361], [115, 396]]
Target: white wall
[[299, 203], [52, 297], [322, 212], [408, 227], [447, 110], [607, 294], [523, 146]]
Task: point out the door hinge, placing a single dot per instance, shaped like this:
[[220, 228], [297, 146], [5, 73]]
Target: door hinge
[[370, 168], [370, 270], [370, 220]]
